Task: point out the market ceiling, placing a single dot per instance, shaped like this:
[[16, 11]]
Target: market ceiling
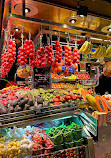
[[58, 16]]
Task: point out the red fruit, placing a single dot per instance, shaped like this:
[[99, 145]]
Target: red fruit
[[74, 59], [18, 60], [31, 55], [22, 63], [42, 64], [25, 56], [42, 49], [27, 52], [31, 46], [25, 45], [22, 54], [31, 50], [78, 56], [10, 55], [74, 54], [22, 58]]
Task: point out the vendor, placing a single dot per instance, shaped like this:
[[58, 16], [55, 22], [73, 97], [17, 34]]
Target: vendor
[[105, 80]]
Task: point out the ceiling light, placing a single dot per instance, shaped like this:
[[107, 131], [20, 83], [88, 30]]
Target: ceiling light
[[109, 29], [73, 21], [82, 11], [16, 29], [27, 10], [82, 16]]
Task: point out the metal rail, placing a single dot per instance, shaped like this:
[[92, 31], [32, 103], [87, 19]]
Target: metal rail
[[29, 117]]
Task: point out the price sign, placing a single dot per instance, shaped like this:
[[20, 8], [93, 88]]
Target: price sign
[[42, 77]]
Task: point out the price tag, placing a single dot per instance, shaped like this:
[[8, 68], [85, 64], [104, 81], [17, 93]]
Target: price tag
[[37, 111], [72, 104]]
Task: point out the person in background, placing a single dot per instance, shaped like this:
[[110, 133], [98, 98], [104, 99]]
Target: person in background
[[105, 80]]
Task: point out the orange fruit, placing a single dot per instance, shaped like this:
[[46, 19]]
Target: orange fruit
[[59, 68]]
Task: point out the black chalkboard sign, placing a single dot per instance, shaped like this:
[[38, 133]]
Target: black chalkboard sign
[[42, 77]]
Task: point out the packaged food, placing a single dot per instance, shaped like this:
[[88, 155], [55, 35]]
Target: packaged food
[[3, 150], [23, 71], [26, 147], [13, 149]]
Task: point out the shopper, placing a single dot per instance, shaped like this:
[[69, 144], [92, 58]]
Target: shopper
[[105, 80]]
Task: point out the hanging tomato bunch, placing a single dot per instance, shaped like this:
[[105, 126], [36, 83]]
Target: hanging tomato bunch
[[58, 53], [40, 59], [76, 56], [8, 58], [68, 56], [22, 57], [49, 54]]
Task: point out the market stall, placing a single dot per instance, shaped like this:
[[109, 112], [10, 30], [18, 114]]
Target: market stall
[[51, 109]]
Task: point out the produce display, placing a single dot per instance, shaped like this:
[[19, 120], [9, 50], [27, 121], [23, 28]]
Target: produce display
[[66, 136], [84, 76], [34, 141], [8, 58], [58, 85]]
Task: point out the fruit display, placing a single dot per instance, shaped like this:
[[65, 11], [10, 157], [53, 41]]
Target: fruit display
[[72, 77], [86, 47], [69, 85], [83, 76], [32, 141], [58, 85], [8, 58], [66, 136], [56, 76], [101, 52]]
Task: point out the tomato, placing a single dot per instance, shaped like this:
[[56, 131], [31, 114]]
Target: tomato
[[22, 63], [22, 58]]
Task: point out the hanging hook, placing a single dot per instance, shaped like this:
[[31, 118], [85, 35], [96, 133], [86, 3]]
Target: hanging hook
[[41, 38], [76, 41], [22, 35], [29, 32]]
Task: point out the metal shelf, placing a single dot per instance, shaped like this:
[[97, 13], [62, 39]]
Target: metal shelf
[[30, 117]]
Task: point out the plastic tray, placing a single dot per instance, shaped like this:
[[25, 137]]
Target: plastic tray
[[59, 147], [58, 139], [77, 134], [69, 145], [79, 142]]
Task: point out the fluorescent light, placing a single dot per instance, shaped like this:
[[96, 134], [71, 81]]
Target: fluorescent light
[[96, 39]]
